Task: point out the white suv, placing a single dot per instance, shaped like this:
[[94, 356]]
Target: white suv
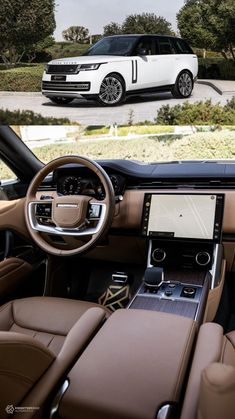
[[122, 65]]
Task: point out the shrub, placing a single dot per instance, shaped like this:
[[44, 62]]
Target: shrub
[[28, 118], [66, 49], [230, 104], [199, 113], [26, 78], [209, 145], [215, 68]]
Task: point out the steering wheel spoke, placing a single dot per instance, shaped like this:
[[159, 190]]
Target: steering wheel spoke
[[44, 223]]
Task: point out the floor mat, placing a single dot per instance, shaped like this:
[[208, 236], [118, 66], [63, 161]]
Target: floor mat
[[101, 288], [115, 297]]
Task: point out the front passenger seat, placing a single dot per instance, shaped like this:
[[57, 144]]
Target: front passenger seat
[[210, 392], [40, 339]]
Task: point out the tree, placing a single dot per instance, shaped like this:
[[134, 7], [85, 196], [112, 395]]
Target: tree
[[24, 23], [146, 23], [209, 24], [38, 48], [112, 29], [76, 34], [95, 38]]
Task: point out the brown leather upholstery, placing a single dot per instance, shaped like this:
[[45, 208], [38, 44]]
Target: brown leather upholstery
[[46, 319], [13, 272], [40, 339], [23, 360], [217, 392], [135, 364], [212, 376]]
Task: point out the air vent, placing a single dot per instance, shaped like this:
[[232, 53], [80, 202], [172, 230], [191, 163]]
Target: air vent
[[182, 184]]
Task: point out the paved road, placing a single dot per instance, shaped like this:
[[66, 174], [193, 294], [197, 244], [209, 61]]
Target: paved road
[[91, 113]]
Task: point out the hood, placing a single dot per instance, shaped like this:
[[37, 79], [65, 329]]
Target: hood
[[88, 59]]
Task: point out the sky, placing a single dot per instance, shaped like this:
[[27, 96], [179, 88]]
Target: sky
[[95, 14]]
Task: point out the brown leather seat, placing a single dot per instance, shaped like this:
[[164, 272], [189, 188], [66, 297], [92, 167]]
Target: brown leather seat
[[40, 339], [211, 387]]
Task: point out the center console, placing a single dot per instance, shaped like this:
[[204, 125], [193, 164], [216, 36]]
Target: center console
[[133, 368], [136, 365], [184, 252]]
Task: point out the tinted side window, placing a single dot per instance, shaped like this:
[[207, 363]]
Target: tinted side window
[[145, 46], [165, 46], [182, 47]]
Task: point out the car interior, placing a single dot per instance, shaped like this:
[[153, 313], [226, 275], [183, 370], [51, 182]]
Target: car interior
[[117, 288]]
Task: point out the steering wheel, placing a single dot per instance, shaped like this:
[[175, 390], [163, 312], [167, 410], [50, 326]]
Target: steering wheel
[[78, 219]]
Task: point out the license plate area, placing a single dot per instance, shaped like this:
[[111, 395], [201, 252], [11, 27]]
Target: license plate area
[[58, 78]]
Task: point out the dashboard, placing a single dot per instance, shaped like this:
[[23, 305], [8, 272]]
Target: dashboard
[[132, 180]]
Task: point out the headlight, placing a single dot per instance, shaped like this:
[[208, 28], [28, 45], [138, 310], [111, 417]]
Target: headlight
[[46, 68], [88, 67]]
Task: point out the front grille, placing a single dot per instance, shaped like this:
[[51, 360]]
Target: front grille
[[62, 69], [66, 86]]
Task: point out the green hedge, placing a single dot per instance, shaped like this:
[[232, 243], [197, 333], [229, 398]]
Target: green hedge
[[216, 68], [199, 113], [29, 118], [26, 78]]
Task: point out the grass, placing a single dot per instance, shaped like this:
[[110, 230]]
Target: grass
[[24, 78], [124, 131], [28, 77], [209, 145]]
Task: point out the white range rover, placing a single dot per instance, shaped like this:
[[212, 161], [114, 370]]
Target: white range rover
[[121, 65]]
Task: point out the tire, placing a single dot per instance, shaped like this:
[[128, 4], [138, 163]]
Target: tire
[[112, 90], [59, 100], [183, 86]]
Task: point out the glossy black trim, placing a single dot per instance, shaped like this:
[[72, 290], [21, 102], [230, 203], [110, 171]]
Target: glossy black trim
[[166, 88]]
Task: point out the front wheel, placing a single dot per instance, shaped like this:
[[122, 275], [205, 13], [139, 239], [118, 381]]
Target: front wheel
[[59, 100], [112, 90], [183, 86]]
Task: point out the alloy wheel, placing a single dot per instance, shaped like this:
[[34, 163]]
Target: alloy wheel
[[111, 91], [185, 84]]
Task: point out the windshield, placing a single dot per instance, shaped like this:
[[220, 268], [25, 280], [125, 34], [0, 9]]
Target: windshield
[[118, 45], [144, 143]]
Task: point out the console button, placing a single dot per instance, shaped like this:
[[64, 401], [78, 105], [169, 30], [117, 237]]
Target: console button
[[203, 258], [159, 255], [188, 292], [168, 293], [94, 211]]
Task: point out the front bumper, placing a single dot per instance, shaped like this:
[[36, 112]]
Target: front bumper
[[85, 82], [67, 89]]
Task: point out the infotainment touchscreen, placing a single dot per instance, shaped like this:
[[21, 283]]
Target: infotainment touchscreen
[[183, 216]]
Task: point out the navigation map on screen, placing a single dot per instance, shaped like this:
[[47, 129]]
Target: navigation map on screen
[[182, 216]]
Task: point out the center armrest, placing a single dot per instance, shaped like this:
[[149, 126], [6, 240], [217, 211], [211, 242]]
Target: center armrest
[[134, 365]]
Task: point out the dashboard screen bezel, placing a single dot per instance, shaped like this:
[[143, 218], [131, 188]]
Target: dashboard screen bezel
[[218, 222]]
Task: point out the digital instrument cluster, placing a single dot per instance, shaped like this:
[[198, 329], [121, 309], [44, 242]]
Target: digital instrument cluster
[[75, 184]]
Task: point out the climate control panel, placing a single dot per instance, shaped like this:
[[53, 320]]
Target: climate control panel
[[181, 254]]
